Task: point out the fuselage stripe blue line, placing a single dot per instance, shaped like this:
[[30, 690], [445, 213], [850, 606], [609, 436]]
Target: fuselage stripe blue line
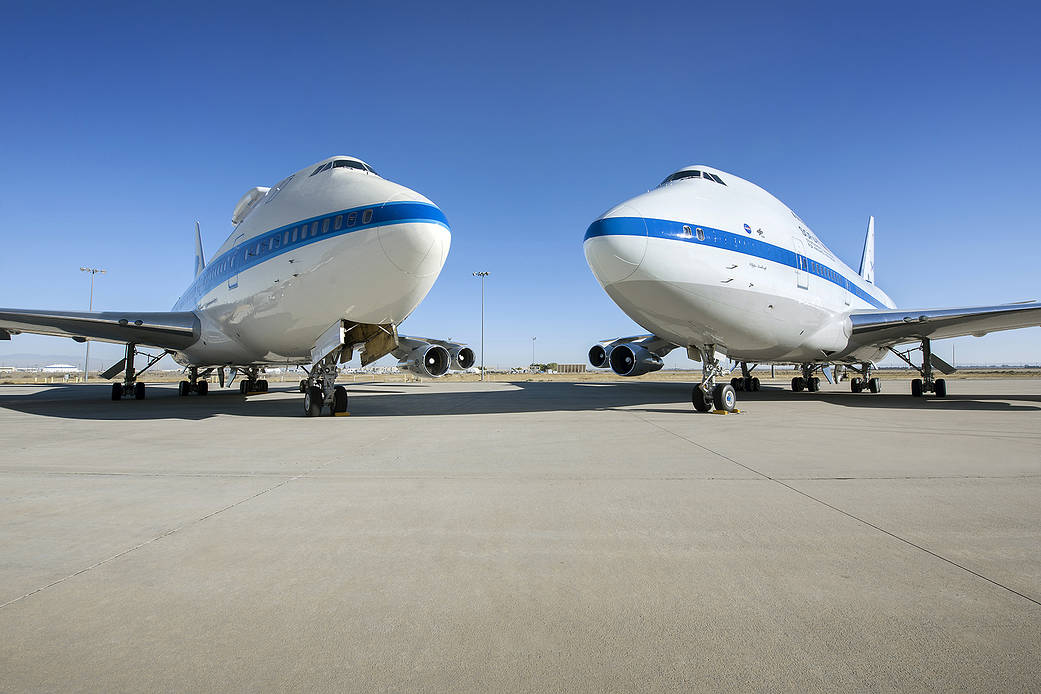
[[717, 238], [263, 247]]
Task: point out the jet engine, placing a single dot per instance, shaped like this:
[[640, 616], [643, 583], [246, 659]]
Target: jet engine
[[598, 355], [462, 358], [429, 361], [632, 360]]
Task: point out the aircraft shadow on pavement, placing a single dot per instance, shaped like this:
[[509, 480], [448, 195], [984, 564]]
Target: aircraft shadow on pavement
[[393, 400]]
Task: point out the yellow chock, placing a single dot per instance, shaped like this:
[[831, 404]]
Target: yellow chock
[[342, 414], [725, 412]]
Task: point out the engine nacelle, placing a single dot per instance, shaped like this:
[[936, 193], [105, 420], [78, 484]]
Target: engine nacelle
[[630, 360], [462, 358], [430, 361], [598, 355]]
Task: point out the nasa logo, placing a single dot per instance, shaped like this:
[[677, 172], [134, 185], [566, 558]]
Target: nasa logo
[[748, 229]]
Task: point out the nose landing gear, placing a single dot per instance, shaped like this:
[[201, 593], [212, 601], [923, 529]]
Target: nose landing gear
[[708, 393], [320, 389]]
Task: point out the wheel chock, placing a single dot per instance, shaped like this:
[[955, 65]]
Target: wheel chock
[[341, 414], [725, 412]]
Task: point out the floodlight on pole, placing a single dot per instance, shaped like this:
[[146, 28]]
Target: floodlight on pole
[[90, 307], [482, 275], [533, 353]]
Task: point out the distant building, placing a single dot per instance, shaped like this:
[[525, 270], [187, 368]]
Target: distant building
[[59, 369], [571, 368]]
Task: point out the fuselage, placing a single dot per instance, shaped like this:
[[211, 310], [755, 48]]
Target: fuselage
[[326, 243], [714, 259]]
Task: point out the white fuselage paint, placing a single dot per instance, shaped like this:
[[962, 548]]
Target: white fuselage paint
[[275, 309], [742, 291]]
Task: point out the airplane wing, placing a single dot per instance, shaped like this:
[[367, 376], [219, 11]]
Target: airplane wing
[[889, 327], [652, 343], [167, 330]]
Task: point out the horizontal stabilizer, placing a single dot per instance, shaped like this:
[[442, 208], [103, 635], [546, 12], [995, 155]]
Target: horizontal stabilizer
[[941, 365], [116, 368]]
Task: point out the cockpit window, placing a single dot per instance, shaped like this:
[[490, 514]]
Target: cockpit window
[[347, 163], [324, 167], [680, 175]]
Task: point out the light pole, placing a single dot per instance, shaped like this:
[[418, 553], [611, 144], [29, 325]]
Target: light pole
[[533, 354], [482, 275], [90, 307]]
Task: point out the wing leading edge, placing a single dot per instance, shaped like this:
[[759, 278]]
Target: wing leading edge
[[167, 329]]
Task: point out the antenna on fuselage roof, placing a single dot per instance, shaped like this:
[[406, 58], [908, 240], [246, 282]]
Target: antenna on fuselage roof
[[867, 258], [200, 259]]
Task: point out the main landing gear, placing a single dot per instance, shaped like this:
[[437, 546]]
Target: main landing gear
[[865, 381], [196, 383], [708, 393], [251, 381], [746, 381], [927, 384], [807, 381], [320, 389], [131, 387]]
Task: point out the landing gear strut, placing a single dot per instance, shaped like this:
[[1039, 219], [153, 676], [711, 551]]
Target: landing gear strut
[[196, 382], [926, 384], [320, 389], [858, 384], [131, 387], [708, 394]]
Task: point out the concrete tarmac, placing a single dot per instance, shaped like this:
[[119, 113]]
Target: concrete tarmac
[[521, 537]]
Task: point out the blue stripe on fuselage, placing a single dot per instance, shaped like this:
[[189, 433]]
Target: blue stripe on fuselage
[[717, 238], [270, 244]]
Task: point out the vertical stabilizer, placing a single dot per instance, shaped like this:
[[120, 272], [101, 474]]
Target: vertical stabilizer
[[200, 260], [867, 259]]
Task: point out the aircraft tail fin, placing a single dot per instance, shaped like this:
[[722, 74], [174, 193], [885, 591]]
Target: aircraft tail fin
[[200, 259], [867, 259]]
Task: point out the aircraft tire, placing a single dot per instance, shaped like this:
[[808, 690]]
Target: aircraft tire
[[797, 384], [724, 398], [916, 388], [139, 391], [813, 384], [874, 385], [855, 385], [702, 401], [183, 388], [117, 391], [940, 388], [262, 385], [313, 402], [755, 384], [339, 400], [303, 385], [202, 387]]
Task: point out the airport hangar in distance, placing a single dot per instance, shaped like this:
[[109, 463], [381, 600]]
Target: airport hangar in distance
[[715, 264], [327, 262]]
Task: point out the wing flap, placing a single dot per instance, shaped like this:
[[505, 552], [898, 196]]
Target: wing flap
[[167, 330]]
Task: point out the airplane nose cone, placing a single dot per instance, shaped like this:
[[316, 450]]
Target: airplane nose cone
[[417, 248], [616, 244]]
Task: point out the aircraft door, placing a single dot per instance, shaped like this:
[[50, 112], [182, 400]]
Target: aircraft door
[[236, 260], [802, 275]]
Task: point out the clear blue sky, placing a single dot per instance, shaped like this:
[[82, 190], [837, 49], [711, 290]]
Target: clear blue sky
[[122, 125]]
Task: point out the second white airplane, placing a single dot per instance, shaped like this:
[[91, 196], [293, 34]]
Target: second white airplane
[[713, 263]]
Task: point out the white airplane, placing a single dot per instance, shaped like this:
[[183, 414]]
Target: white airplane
[[326, 263], [713, 263]]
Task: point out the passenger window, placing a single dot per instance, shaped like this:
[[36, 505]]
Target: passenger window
[[701, 234], [686, 231], [285, 238], [276, 242], [352, 219], [314, 228], [296, 231], [366, 217], [338, 222], [325, 225]]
